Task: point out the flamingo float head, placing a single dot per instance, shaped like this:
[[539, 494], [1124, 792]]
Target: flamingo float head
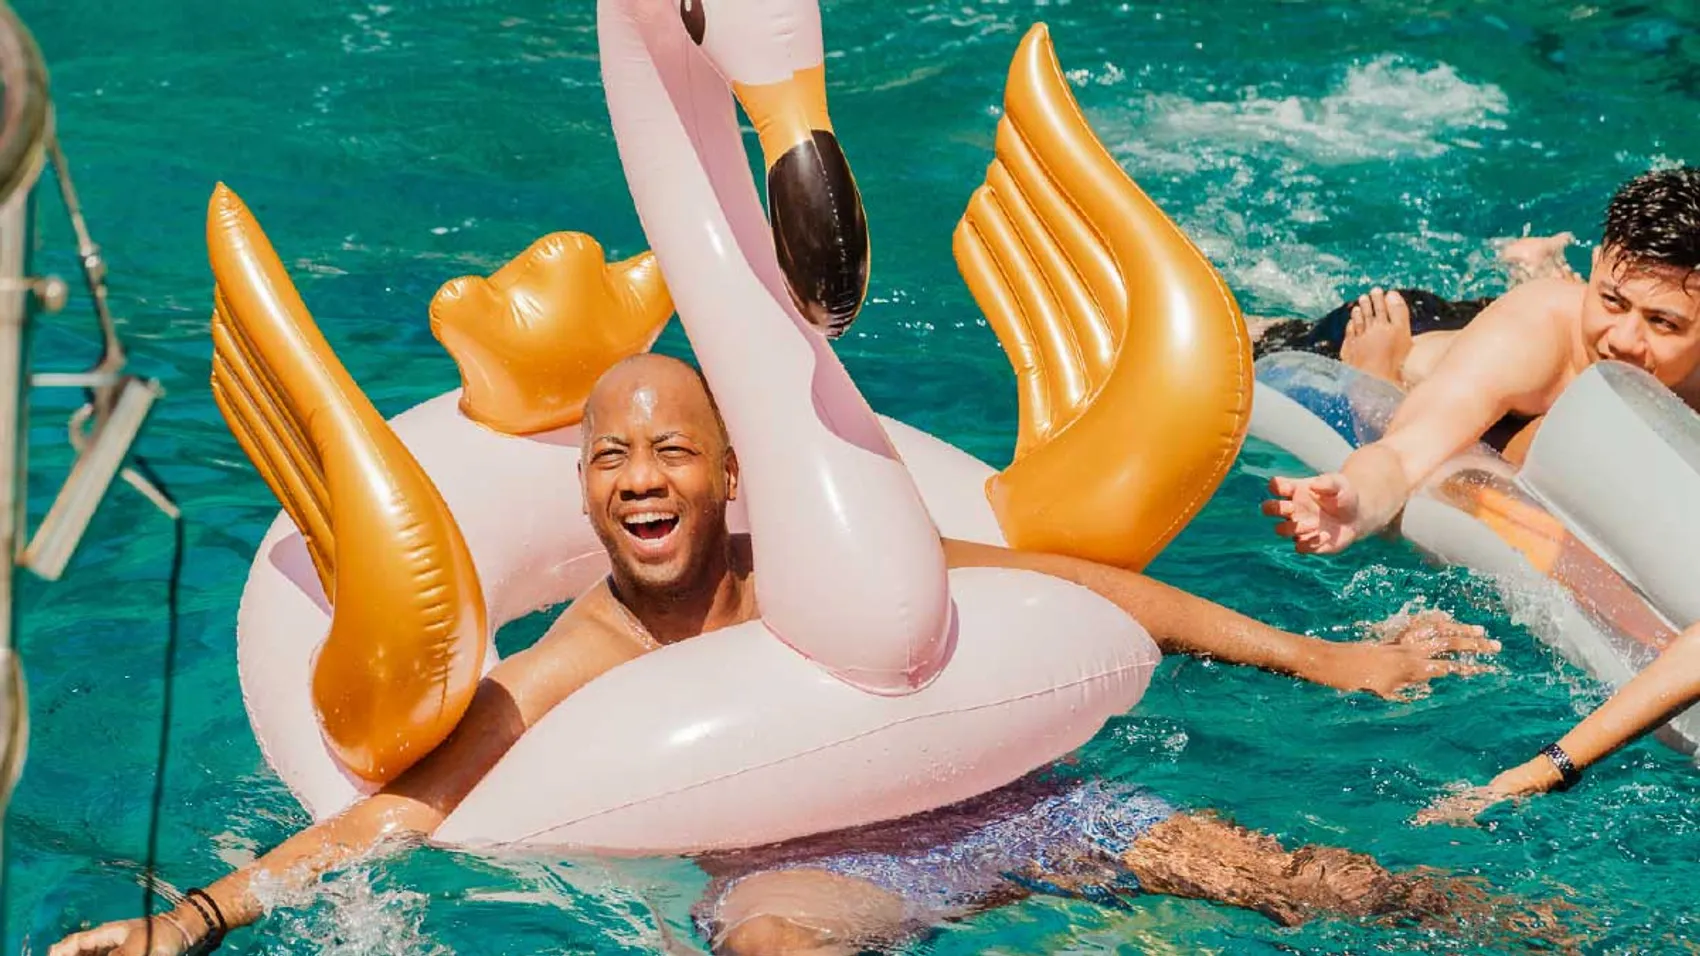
[[770, 55]]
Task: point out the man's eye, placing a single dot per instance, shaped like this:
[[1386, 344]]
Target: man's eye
[[675, 452]]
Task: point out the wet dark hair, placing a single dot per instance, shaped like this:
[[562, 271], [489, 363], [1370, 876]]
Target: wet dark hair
[[1654, 221]]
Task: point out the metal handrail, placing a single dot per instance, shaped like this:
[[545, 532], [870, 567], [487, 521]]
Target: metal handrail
[[102, 431], [25, 132], [26, 118]]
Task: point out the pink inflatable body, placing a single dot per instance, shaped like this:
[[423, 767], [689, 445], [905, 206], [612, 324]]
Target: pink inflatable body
[[731, 739], [877, 684]]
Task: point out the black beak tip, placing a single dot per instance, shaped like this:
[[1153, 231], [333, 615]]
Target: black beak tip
[[820, 232], [832, 313]]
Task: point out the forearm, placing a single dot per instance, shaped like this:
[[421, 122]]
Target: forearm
[[1178, 622], [1379, 476], [1182, 623], [307, 855], [509, 700], [1669, 685]]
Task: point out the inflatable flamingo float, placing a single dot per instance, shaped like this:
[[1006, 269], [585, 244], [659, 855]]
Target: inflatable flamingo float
[[877, 684]]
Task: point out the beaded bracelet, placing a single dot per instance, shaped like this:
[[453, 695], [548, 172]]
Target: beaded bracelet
[[211, 916]]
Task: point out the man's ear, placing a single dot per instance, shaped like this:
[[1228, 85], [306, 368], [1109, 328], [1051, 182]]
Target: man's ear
[[731, 475], [583, 497]]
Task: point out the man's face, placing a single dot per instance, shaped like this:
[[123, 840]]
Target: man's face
[[1648, 317], [657, 475]]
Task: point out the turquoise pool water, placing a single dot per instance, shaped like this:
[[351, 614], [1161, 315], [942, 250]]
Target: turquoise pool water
[[1310, 147]]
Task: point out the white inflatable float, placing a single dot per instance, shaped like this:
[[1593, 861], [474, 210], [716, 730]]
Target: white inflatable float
[[1595, 540]]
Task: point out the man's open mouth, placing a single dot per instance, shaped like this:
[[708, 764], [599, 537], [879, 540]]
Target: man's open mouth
[[650, 525]]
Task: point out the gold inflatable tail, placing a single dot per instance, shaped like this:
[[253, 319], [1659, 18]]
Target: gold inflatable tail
[[1133, 361], [408, 631], [534, 337]]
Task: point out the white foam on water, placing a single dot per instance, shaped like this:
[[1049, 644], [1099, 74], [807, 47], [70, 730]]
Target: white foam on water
[[1250, 173], [1384, 109], [345, 915]]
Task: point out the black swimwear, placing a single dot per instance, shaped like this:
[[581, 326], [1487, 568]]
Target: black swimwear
[[1429, 313]]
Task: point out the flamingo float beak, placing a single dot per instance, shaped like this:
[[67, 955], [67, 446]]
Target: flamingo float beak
[[819, 229]]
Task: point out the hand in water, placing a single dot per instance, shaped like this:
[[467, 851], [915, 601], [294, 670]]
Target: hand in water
[[129, 938], [1408, 652], [1462, 807], [1320, 514]]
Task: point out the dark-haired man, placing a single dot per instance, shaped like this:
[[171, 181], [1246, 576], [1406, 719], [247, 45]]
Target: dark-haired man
[[1640, 305]]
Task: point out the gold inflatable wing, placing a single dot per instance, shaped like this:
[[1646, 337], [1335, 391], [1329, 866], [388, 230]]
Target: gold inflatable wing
[[533, 338], [408, 630], [1132, 359]]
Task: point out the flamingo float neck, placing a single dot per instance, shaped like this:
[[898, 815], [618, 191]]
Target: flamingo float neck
[[851, 570]]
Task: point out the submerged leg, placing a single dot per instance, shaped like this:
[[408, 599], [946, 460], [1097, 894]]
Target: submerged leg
[[1201, 857], [803, 912]]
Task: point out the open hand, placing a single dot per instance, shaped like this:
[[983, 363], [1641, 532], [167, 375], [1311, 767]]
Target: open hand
[[1408, 652], [128, 938], [1461, 808], [1320, 514]]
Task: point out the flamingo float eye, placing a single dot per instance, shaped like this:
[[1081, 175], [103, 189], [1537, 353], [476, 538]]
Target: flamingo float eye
[[695, 18]]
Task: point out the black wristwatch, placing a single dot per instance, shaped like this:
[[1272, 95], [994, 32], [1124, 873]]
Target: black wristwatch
[[1567, 772]]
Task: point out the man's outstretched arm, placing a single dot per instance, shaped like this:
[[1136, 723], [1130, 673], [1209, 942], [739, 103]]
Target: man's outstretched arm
[[1181, 623], [1509, 357], [511, 698]]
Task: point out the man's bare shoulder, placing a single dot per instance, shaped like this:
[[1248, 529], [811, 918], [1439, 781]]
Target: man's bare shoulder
[[1522, 339], [594, 635], [595, 617], [1543, 306], [1513, 357]]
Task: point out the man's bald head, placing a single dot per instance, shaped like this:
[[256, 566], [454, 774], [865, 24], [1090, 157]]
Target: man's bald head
[[657, 473], [648, 382]]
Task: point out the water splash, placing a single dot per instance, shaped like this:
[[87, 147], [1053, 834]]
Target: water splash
[[345, 915], [1381, 110], [1264, 177]]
